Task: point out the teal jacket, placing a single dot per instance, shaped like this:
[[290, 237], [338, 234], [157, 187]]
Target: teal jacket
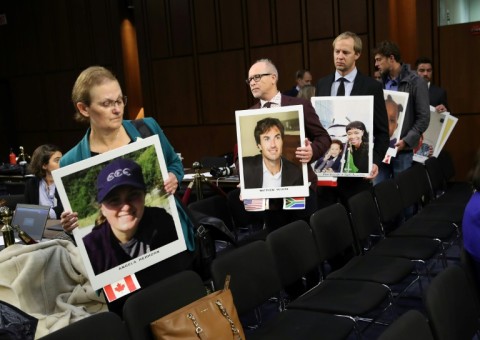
[[81, 151]]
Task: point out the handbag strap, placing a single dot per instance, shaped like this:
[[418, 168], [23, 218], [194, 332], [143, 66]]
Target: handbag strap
[[198, 327]]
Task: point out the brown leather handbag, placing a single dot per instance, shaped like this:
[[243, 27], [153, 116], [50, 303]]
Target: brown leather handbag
[[211, 317]]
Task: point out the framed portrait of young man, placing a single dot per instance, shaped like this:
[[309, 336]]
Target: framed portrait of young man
[[349, 122], [267, 141], [126, 220]]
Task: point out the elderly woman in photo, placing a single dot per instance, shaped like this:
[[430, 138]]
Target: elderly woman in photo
[[125, 228]]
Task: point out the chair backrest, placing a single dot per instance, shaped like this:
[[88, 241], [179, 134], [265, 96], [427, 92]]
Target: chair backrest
[[470, 268], [254, 278], [294, 251], [215, 206], [388, 200], [364, 216], [160, 299], [332, 231], [447, 166], [410, 186], [435, 174], [451, 306], [106, 325], [411, 325]]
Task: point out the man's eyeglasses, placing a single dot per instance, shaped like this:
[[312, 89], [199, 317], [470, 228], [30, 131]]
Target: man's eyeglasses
[[256, 77], [121, 102]]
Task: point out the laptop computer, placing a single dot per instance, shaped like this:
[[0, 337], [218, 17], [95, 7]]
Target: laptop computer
[[32, 219]]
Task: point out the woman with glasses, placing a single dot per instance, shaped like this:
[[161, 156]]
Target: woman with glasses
[[99, 102], [41, 189]]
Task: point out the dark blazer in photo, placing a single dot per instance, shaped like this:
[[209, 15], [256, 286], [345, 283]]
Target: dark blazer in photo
[[253, 172]]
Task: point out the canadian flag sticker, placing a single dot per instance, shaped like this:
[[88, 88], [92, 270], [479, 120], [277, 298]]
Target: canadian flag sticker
[[121, 288]]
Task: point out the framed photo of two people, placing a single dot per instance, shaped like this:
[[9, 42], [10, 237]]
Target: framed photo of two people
[[349, 122], [267, 140], [126, 220]]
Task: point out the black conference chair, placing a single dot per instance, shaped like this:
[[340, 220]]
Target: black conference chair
[[158, 300], [106, 325], [443, 190], [411, 325], [391, 206], [333, 235], [414, 188], [452, 310], [296, 254], [372, 240], [254, 280]]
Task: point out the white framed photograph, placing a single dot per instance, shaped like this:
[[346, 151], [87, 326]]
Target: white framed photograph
[[267, 141], [127, 222], [449, 125], [349, 122], [396, 104], [431, 139]]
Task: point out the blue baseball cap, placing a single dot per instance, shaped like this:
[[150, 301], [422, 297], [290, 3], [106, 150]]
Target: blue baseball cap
[[119, 172]]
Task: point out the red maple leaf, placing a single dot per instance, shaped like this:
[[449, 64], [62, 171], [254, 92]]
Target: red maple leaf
[[119, 287]]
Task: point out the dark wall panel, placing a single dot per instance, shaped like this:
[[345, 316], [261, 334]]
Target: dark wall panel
[[157, 27], [205, 25], [287, 59], [222, 86], [460, 79], [320, 19], [180, 15], [186, 140], [289, 21], [174, 92], [259, 22], [353, 16], [231, 24], [26, 91], [321, 58]]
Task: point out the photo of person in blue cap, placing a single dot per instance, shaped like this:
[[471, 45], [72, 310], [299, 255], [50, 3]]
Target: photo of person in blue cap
[[125, 228]]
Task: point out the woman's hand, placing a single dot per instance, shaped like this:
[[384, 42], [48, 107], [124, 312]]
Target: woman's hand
[[69, 221], [171, 183]]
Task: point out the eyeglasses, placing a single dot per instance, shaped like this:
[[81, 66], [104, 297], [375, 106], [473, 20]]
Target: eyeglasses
[[256, 77], [121, 102]]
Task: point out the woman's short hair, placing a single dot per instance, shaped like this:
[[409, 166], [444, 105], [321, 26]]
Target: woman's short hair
[[90, 77], [356, 124], [40, 157]]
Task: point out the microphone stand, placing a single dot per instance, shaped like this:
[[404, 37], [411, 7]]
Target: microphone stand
[[196, 184]]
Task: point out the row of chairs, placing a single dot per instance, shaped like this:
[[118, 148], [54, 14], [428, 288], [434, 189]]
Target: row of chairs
[[332, 309], [452, 308]]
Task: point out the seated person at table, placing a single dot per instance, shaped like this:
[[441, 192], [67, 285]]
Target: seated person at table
[[270, 169], [41, 188], [125, 228]]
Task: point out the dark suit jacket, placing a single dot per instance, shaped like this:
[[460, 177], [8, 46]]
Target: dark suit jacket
[[32, 196], [292, 92], [437, 95], [314, 131], [253, 172], [322, 164], [366, 86]]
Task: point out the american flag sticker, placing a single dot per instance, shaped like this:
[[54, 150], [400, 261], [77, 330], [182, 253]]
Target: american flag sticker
[[121, 288], [256, 204], [293, 203]]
